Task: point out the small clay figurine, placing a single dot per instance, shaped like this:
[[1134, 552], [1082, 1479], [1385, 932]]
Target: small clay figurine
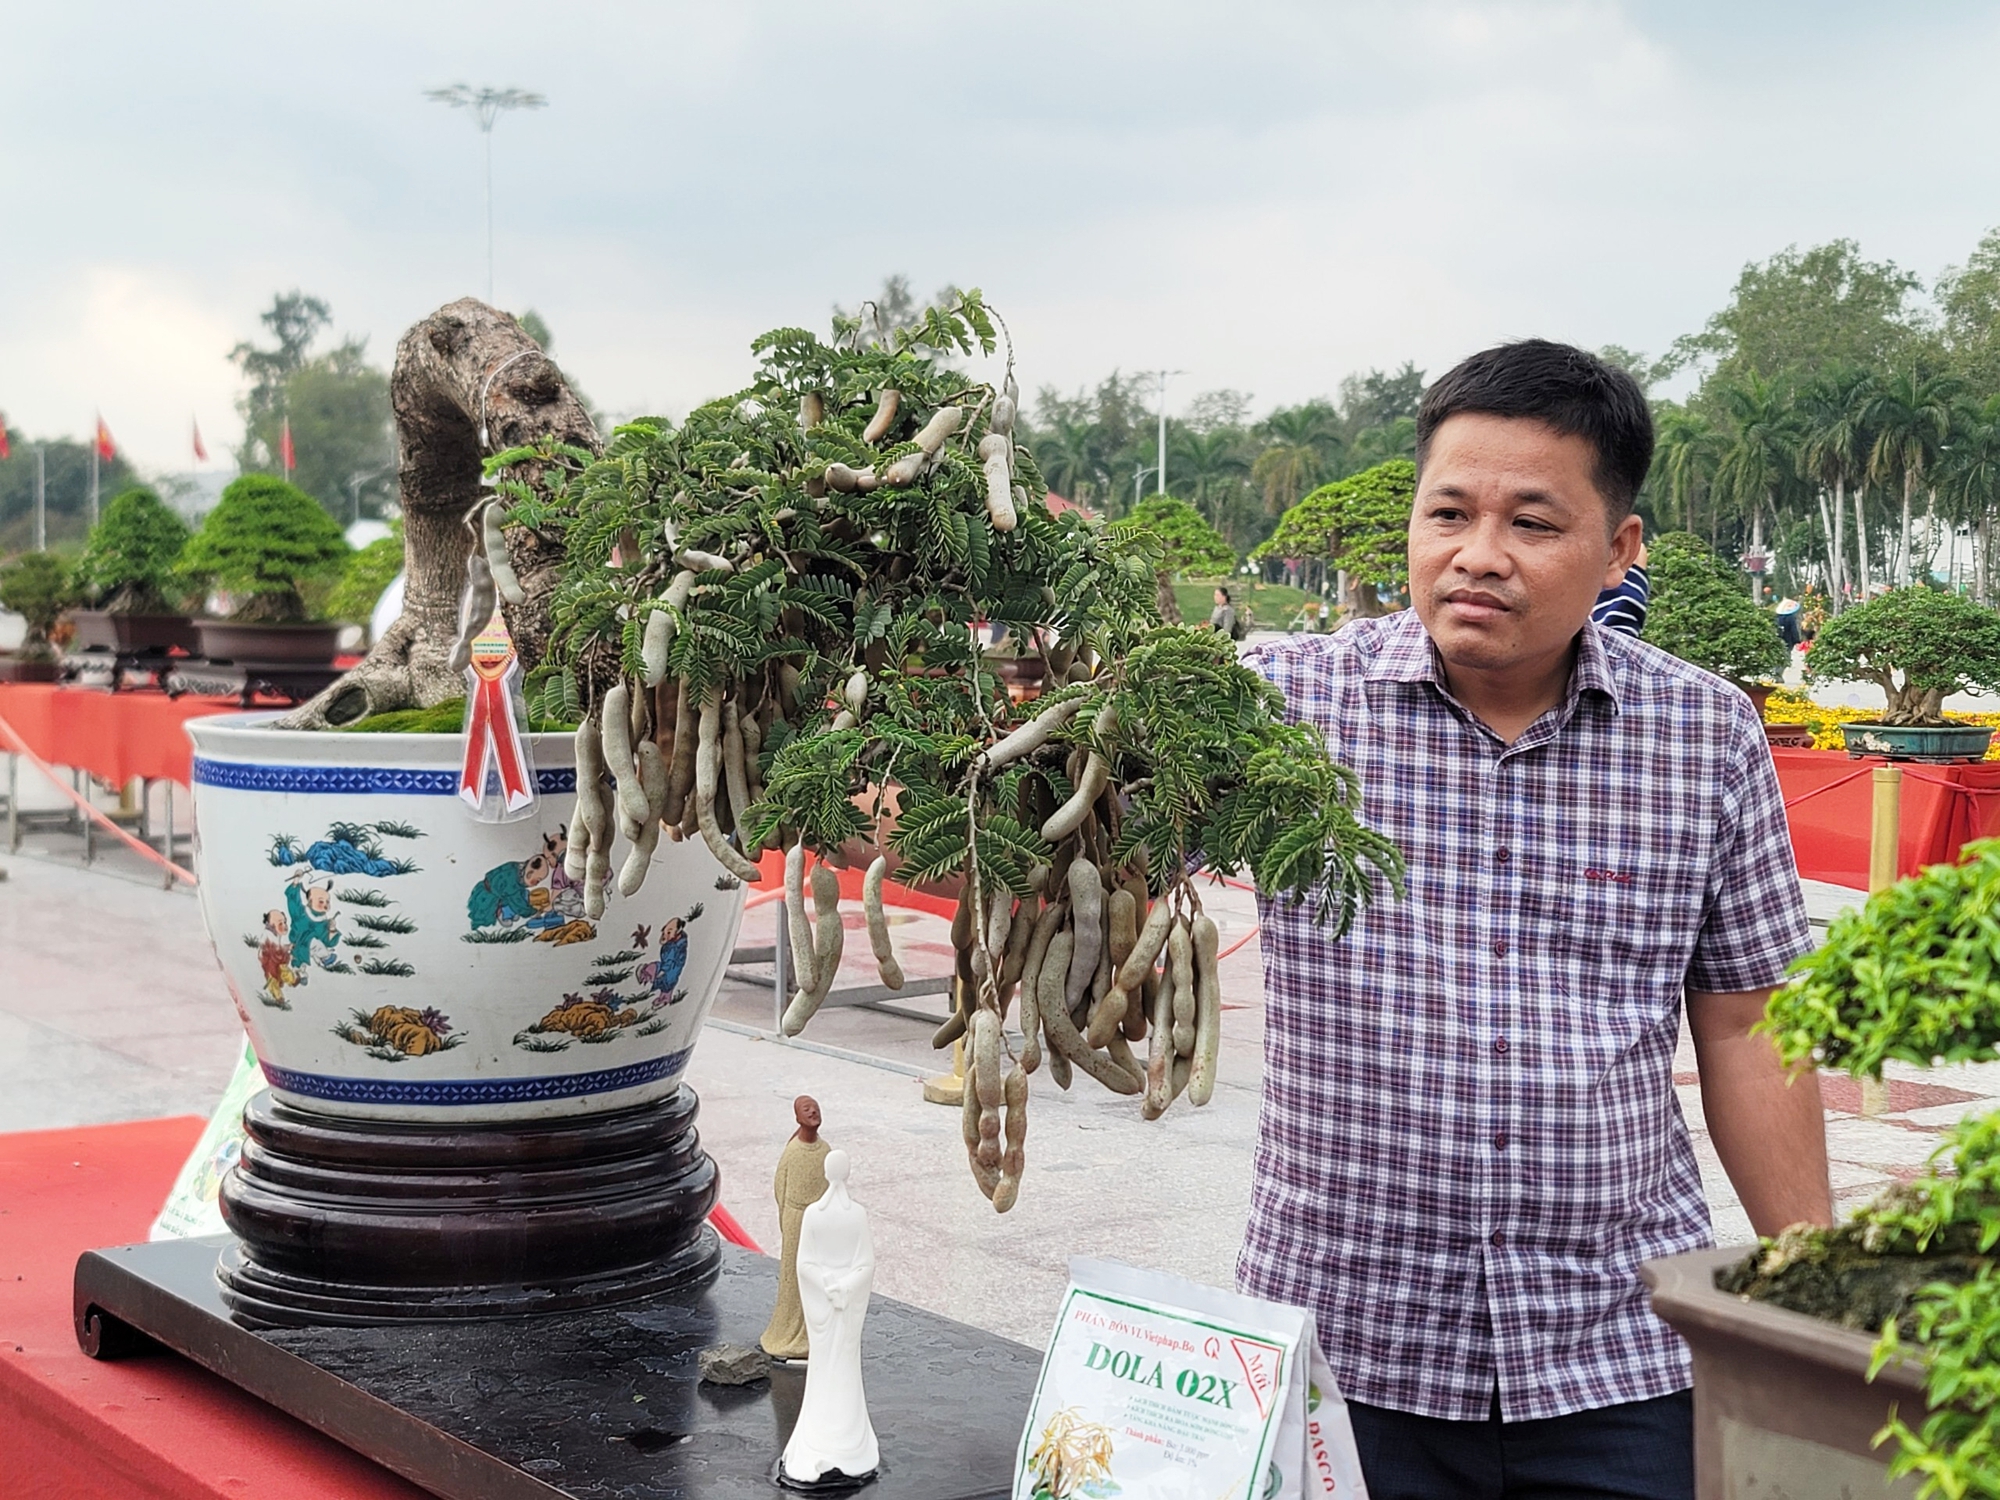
[[833, 1442], [800, 1182]]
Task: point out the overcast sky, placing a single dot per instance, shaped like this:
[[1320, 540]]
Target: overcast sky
[[1265, 195]]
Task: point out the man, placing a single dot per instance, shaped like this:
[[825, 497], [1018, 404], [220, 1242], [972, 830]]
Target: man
[[1469, 1139], [1622, 607], [798, 1184]]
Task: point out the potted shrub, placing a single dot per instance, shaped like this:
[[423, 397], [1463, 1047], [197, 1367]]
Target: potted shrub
[[127, 576], [265, 543], [365, 575], [1358, 525], [1188, 548], [1701, 613], [759, 620], [1825, 1354], [1917, 644], [35, 586]]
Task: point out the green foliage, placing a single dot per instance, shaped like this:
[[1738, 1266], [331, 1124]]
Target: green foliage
[[1189, 546], [36, 586], [368, 572], [1701, 611], [1361, 524], [1918, 644], [889, 581], [66, 470], [263, 540], [128, 565]]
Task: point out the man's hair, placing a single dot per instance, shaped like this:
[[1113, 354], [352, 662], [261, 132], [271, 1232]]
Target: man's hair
[[1566, 388]]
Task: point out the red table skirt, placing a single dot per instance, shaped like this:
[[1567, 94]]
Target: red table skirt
[[1828, 799], [113, 735], [153, 1426]]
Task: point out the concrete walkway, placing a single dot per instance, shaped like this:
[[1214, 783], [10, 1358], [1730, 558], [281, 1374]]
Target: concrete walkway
[[110, 1010]]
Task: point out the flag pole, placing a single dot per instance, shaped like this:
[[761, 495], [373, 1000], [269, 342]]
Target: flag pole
[[93, 476], [41, 498]]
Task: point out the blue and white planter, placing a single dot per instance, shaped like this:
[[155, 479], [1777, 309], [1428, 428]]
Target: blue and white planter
[[395, 958]]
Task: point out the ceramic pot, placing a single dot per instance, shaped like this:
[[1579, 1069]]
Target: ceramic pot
[[235, 641], [130, 634], [28, 669], [394, 958], [1939, 744]]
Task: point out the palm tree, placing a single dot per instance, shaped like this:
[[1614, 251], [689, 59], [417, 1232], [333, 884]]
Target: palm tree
[[1969, 479], [1066, 453], [1377, 445], [1208, 467], [1685, 458], [1302, 445], [1911, 418], [1833, 451], [1761, 448]]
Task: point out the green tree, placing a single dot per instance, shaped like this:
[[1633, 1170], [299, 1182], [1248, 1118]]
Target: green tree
[[1700, 613], [1302, 446], [68, 493], [128, 565], [1380, 398], [1210, 466], [1685, 458], [265, 540], [1834, 443], [1968, 299], [36, 587], [1189, 547], [1969, 482], [1762, 448], [1910, 417], [368, 571], [1917, 644], [1360, 525]]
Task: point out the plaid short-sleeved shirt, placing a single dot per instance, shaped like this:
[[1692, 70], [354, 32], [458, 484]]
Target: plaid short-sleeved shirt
[[1469, 1138]]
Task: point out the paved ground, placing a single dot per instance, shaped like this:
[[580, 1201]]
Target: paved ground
[[109, 1010]]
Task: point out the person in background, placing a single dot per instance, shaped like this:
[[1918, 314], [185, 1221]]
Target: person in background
[[1788, 620], [1222, 619], [1622, 607]]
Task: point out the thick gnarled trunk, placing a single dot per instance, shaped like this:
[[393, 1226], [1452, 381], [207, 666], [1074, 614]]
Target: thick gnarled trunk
[[468, 381]]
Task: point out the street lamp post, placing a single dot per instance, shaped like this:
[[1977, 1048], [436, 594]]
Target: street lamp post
[[486, 107], [1163, 376]]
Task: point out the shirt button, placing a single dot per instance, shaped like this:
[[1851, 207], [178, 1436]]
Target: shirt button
[[1500, 1045], [1500, 1141], [1499, 1240], [1503, 855], [1499, 947]]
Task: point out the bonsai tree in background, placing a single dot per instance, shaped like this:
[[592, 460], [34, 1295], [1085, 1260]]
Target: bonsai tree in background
[[263, 542], [1913, 976], [1702, 613], [1359, 525], [128, 565], [1189, 547], [36, 586], [1917, 644], [367, 573]]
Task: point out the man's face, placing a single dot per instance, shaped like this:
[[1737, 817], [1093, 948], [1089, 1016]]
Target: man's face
[[1508, 542], [805, 1110]]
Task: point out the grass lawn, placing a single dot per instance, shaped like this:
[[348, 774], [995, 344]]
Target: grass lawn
[[1272, 604]]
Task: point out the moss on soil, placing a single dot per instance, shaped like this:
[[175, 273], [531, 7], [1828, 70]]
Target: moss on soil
[[1830, 1275], [441, 718]]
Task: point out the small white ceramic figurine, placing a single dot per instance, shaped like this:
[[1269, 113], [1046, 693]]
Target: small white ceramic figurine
[[836, 1275]]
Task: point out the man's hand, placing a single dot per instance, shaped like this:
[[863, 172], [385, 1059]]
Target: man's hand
[[1766, 1122]]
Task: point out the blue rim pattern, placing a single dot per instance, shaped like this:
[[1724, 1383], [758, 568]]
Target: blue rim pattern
[[240, 776], [462, 1091]]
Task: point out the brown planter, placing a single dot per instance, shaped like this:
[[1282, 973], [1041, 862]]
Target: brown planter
[[235, 641], [130, 634], [1782, 1403], [1760, 694], [16, 669], [1798, 736]]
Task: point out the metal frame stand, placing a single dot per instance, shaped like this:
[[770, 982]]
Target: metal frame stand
[[875, 997]]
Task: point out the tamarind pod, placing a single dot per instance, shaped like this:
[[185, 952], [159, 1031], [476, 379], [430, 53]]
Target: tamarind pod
[[1100, 982], [1179, 1071], [1038, 877], [629, 827], [704, 562], [1020, 504], [856, 692], [968, 1107], [616, 731], [1120, 923], [492, 533], [653, 774], [474, 610], [707, 773], [1039, 937], [687, 741], [952, 1029], [994, 445], [884, 418], [1086, 904], [1064, 1038], [1107, 1013], [1132, 1026], [1068, 818], [812, 411], [1059, 660], [1002, 420], [1059, 1069], [1007, 1191], [1029, 738], [653, 645], [1120, 1052], [848, 481], [577, 853], [1014, 1154], [843, 720], [1031, 1029], [789, 683], [1160, 1052], [1180, 976], [735, 766], [589, 768], [985, 1178], [878, 924], [1020, 933], [943, 423], [1207, 1010], [905, 470], [753, 748], [639, 859], [986, 1056], [596, 872], [1000, 493], [1146, 949], [828, 938], [805, 970], [988, 1151]]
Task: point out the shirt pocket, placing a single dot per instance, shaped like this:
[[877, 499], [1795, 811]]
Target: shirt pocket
[[1617, 939]]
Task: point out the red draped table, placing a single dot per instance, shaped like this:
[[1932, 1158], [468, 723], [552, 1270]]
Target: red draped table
[[1828, 798], [114, 736]]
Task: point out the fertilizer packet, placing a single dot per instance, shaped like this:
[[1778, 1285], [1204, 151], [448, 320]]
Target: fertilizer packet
[[1158, 1388], [497, 777], [191, 1208]]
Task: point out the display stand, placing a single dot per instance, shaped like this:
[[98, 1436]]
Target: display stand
[[605, 1403]]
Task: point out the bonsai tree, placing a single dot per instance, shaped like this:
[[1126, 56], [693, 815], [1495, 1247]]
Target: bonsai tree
[[1360, 525], [263, 541], [1914, 976], [366, 574], [761, 620], [128, 563], [1917, 644], [1188, 546], [36, 587], [1701, 613]]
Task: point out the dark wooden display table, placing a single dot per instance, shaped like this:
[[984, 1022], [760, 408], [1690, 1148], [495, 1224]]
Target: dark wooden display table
[[604, 1403]]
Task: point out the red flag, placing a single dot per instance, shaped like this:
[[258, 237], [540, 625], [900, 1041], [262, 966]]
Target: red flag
[[285, 455], [5, 451], [106, 449], [200, 452]]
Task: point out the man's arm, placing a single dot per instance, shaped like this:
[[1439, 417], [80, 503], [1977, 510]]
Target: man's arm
[[1766, 1123]]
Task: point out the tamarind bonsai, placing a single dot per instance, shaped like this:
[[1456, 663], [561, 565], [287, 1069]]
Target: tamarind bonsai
[[36, 586], [1917, 644], [128, 562], [764, 620], [263, 541]]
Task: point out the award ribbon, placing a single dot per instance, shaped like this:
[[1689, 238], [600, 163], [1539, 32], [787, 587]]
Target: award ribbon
[[492, 735]]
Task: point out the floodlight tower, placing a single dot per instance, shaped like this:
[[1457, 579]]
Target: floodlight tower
[[486, 107], [1160, 471]]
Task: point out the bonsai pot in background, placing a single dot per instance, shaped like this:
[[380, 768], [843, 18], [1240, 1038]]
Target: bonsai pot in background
[[29, 668], [1782, 1402], [129, 635], [1937, 744], [476, 1103], [240, 641], [1791, 736]]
